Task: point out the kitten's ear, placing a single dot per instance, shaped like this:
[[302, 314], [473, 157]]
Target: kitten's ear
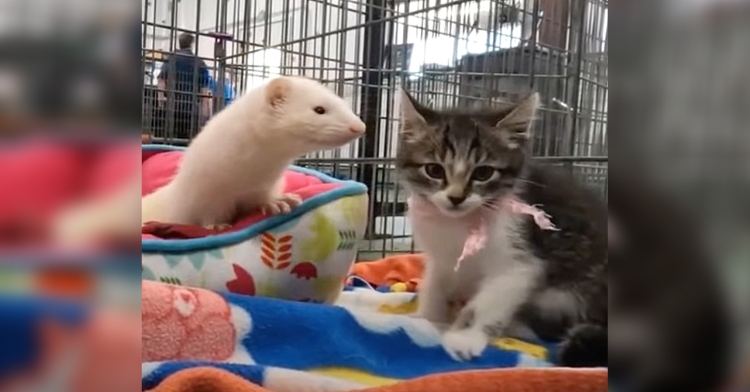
[[516, 125], [277, 91], [413, 115]]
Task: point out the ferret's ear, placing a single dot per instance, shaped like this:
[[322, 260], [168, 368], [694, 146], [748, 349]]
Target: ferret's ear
[[414, 116], [277, 91], [516, 126]]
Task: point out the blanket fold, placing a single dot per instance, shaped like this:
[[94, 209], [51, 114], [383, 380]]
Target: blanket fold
[[207, 379]]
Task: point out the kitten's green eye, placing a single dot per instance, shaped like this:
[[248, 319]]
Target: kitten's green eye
[[483, 173], [433, 170]]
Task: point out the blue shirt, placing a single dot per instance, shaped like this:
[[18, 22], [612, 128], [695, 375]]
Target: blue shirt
[[186, 74], [229, 93]]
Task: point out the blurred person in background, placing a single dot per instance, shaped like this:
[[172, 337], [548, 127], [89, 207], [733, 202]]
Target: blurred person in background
[[229, 91], [184, 78]]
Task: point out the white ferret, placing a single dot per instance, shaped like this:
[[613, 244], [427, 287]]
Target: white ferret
[[233, 167], [236, 163]]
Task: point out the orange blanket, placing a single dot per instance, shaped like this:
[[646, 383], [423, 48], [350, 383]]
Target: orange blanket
[[501, 380], [406, 269]]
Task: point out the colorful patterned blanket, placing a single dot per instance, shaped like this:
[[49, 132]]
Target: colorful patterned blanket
[[192, 340], [367, 340]]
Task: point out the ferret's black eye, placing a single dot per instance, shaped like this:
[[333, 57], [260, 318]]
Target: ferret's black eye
[[320, 110]]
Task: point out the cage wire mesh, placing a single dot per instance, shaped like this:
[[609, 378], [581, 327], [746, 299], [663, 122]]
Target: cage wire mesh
[[446, 53]]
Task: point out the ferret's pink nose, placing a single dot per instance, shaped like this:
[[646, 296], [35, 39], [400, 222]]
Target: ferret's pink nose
[[357, 128]]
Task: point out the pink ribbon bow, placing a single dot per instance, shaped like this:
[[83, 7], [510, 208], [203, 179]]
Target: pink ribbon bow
[[478, 226]]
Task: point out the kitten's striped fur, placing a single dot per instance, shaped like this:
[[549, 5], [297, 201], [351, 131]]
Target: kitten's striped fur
[[526, 282]]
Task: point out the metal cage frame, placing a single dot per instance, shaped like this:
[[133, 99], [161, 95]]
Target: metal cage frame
[[446, 53]]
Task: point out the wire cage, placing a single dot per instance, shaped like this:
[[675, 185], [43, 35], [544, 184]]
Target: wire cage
[[446, 53]]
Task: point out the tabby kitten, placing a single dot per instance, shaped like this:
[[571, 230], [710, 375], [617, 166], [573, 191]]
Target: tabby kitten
[[525, 282]]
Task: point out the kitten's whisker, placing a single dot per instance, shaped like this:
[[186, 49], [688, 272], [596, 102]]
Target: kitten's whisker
[[491, 206], [531, 182]]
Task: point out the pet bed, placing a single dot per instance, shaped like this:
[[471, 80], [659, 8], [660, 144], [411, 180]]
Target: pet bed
[[304, 255]]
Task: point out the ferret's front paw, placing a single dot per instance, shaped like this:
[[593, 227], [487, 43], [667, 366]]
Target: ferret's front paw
[[282, 205], [465, 344]]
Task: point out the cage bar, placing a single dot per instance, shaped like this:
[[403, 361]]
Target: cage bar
[[446, 53]]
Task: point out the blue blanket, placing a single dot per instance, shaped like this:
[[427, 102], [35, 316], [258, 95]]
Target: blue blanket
[[365, 340]]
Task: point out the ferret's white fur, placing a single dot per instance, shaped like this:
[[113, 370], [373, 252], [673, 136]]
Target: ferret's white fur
[[112, 216], [236, 163]]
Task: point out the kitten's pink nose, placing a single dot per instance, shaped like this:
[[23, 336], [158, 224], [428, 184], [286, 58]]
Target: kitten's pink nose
[[358, 128]]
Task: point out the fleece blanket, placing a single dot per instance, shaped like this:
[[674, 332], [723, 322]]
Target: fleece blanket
[[394, 273], [209, 379], [366, 341], [42, 178], [197, 340], [53, 344]]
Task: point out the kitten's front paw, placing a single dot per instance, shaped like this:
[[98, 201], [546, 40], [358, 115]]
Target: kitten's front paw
[[465, 344], [282, 205]]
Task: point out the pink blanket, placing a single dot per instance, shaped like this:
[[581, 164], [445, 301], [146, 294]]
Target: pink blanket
[[40, 179], [159, 168]]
